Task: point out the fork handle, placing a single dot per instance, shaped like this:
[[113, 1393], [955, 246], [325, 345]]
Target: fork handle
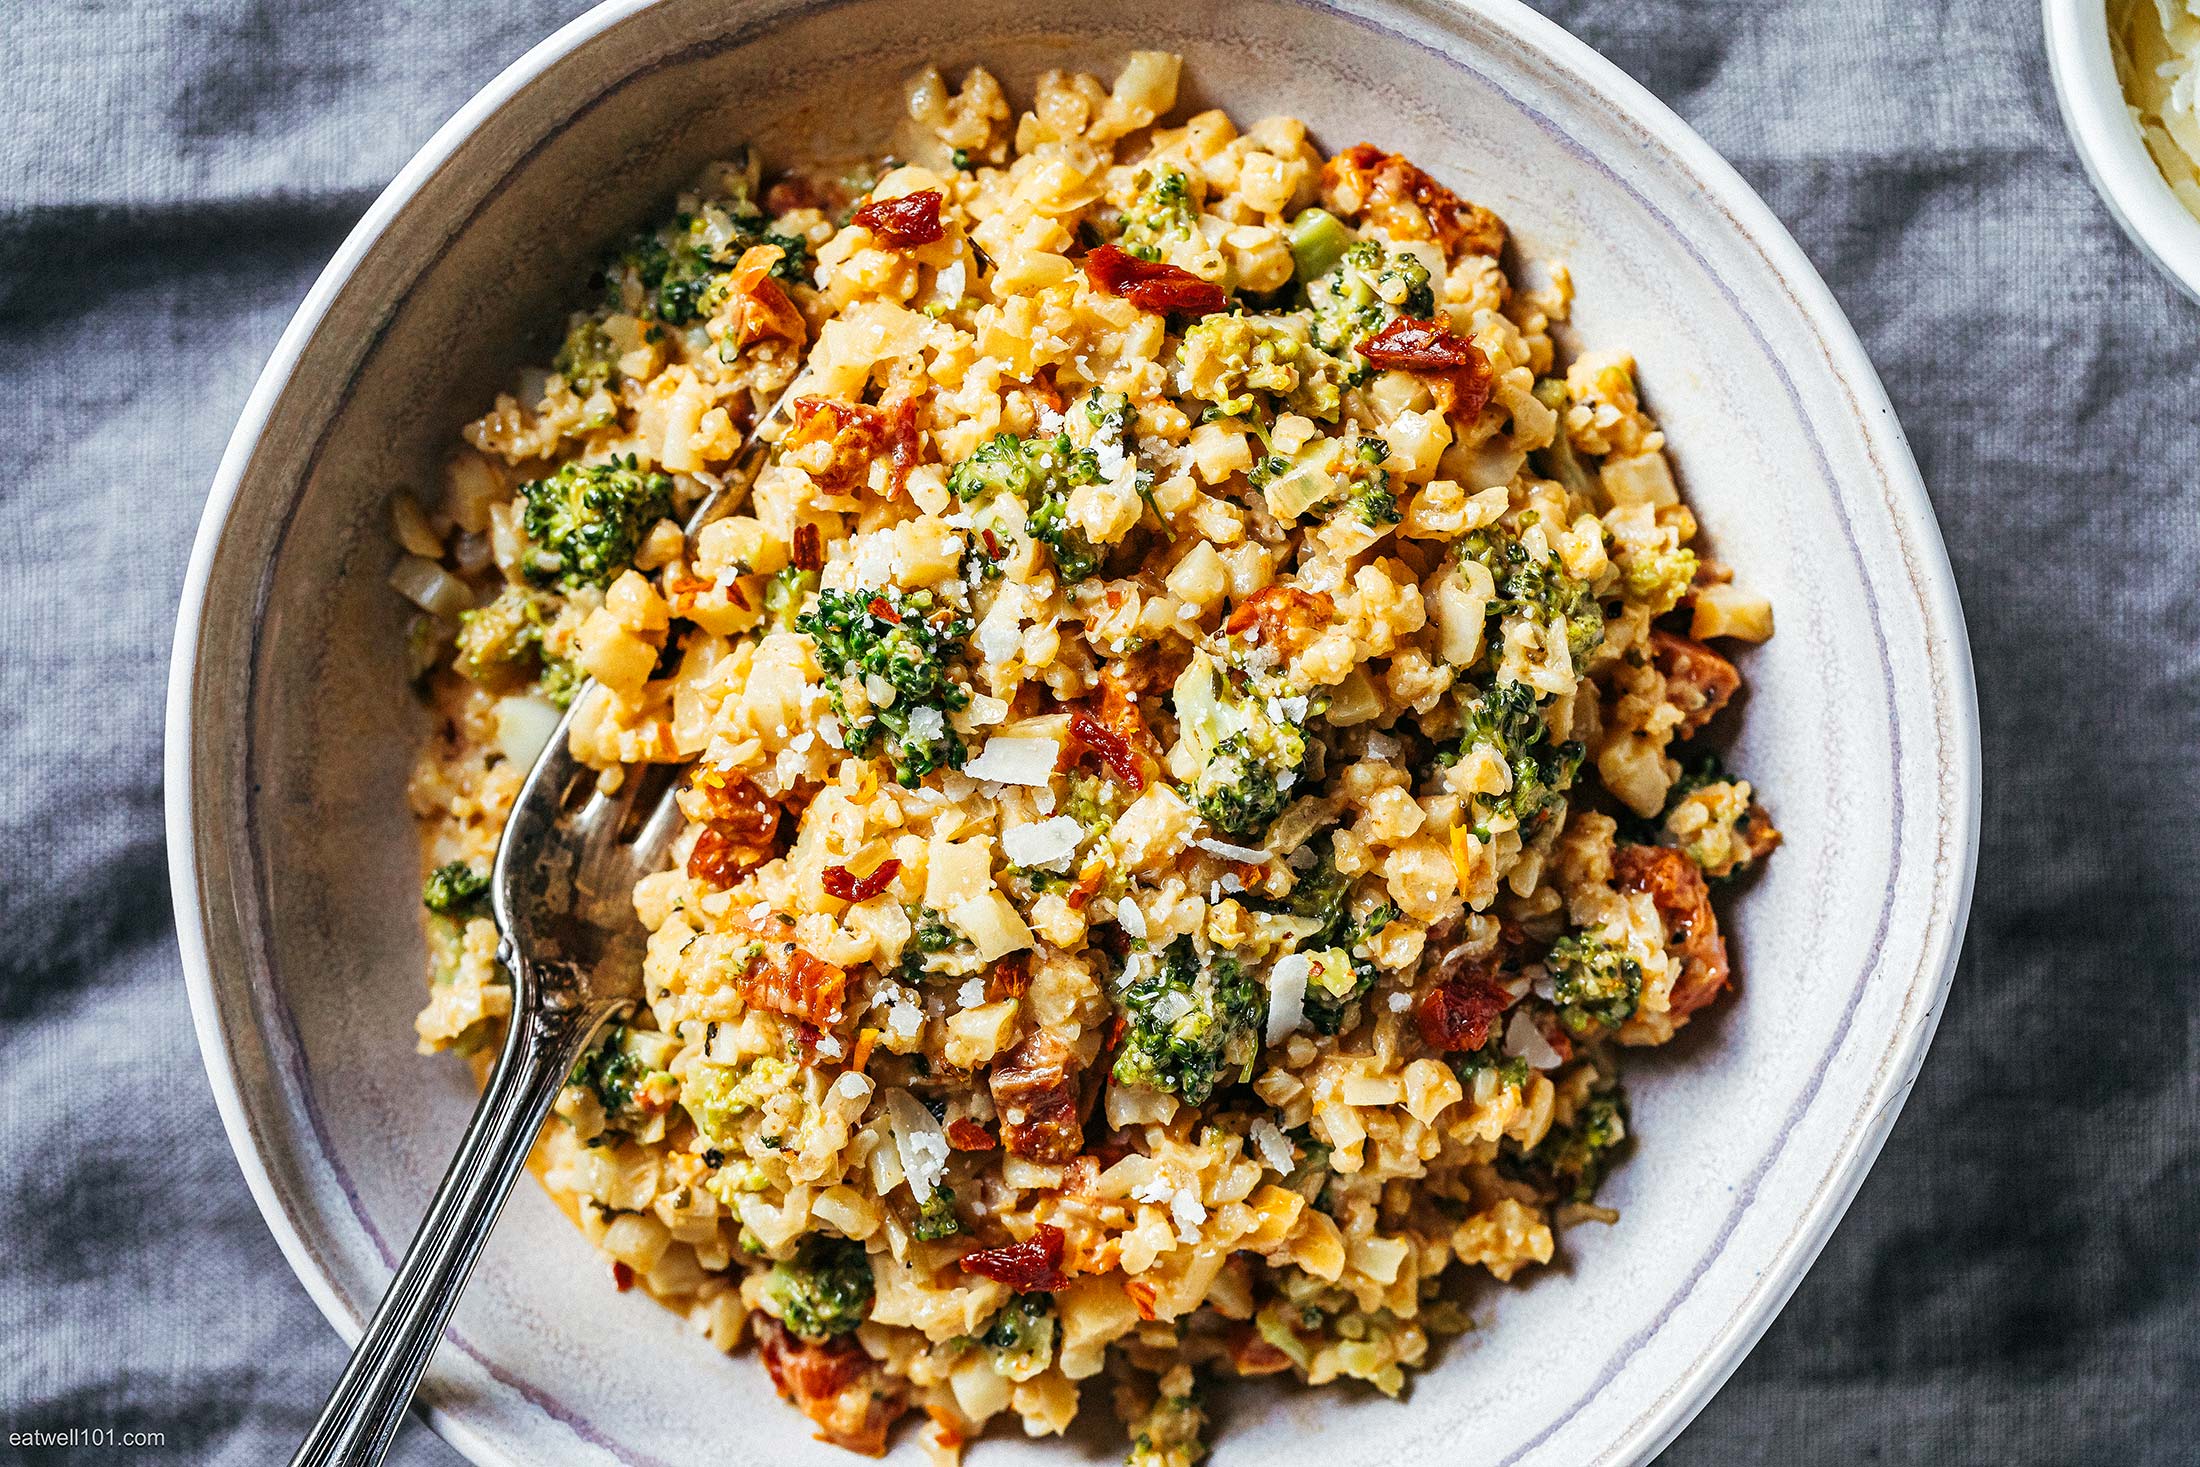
[[541, 1047]]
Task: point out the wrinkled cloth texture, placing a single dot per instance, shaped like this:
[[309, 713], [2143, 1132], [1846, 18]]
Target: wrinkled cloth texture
[[2015, 1284]]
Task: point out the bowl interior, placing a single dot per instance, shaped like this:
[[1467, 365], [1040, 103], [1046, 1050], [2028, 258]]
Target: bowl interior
[[298, 853]]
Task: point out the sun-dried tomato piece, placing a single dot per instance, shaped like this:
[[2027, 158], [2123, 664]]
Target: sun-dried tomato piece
[[1405, 203], [834, 1383], [1457, 1014], [720, 859], [883, 609], [906, 222], [1034, 1087], [1086, 731], [622, 1275], [797, 985], [763, 308], [853, 431], [808, 553], [740, 826], [1677, 889], [1432, 348], [1252, 1355], [1165, 290], [839, 881], [789, 194], [1033, 1266], [1009, 978], [965, 1134], [1286, 618], [1698, 681]]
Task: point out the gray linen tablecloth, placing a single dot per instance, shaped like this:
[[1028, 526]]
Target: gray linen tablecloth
[[2016, 1283]]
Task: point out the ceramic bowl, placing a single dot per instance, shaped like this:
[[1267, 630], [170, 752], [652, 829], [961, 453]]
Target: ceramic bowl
[[2108, 142], [290, 727]]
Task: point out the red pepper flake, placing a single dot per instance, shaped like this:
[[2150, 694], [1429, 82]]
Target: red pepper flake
[[809, 548], [1010, 978], [849, 887], [1165, 290], [1457, 1013], [1144, 1297], [883, 609], [1114, 750], [1033, 1266], [992, 543], [1408, 345], [906, 443], [965, 1134], [906, 222], [622, 1276]]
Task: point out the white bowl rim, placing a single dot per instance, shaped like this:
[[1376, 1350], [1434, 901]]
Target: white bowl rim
[[1933, 576], [2116, 159]]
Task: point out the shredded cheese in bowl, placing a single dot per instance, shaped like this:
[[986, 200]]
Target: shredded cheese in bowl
[[2157, 47]]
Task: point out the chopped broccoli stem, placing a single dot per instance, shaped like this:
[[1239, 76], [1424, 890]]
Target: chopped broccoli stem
[[588, 360], [825, 1292], [586, 521], [1189, 1021], [1168, 1433], [1318, 239], [785, 595], [1558, 460], [1595, 984], [904, 641], [456, 890]]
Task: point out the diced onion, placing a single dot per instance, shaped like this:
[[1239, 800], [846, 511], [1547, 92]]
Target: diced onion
[[430, 587], [1287, 995], [525, 727]]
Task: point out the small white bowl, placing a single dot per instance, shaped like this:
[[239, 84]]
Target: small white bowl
[[2115, 156], [290, 730]]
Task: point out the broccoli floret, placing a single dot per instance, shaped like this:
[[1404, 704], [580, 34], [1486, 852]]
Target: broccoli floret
[[1189, 1021], [1110, 415], [1540, 590], [621, 1073], [1338, 977], [1363, 292], [824, 1292], [1711, 818], [785, 593], [1595, 984], [907, 640], [500, 645], [1041, 471], [679, 273], [1168, 1432], [1657, 577], [1509, 719], [714, 1095], [559, 681], [1021, 1337], [588, 360], [936, 1217], [586, 521], [1367, 490], [456, 890], [1163, 211], [1575, 1158], [1248, 750], [1233, 361], [1511, 1071]]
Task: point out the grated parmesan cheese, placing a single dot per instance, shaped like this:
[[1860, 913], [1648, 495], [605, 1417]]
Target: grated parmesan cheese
[[1013, 760]]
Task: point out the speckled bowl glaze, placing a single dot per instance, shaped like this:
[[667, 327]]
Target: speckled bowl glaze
[[290, 730]]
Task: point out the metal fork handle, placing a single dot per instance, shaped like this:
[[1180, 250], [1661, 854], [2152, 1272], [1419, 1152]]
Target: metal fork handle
[[543, 1044]]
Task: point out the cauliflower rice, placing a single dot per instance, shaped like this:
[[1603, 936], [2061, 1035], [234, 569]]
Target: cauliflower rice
[[1184, 750]]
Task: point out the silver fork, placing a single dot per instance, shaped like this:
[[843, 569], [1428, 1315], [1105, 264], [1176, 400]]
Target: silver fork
[[563, 894]]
